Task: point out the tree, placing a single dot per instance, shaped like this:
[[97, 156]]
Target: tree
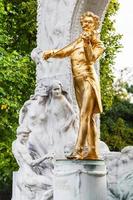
[[117, 126], [112, 45], [116, 129], [17, 74]]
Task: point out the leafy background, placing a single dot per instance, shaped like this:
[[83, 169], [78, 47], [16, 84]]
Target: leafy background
[[17, 77], [17, 82]]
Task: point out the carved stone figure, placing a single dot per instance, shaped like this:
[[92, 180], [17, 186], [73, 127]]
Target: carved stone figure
[[46, 126], [84, 52], [34, 117], [62, 119], [51, 119], [33, 186], [120, 174]]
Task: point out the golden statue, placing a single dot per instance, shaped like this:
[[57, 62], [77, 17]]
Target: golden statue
[[84, 52]]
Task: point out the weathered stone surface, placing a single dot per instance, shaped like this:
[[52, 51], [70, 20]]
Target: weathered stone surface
[[80, 180], [120, 174]]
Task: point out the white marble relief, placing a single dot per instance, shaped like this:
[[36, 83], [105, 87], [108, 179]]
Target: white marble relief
[[62, 121], [51, 120], [47, 126], [31, 185], [120, 174]]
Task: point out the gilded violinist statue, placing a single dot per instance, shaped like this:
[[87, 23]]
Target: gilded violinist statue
[[84, 52]]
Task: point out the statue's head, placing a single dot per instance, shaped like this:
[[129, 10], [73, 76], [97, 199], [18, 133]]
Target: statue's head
[[23, 133], [57, 89], [89, 21], [41, 89]]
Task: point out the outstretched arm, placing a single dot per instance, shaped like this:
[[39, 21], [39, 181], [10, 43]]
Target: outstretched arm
[[40, 160], [28, 159], [59, 53], [23, 155]]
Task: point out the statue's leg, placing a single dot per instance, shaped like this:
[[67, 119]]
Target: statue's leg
[[79, 88], [92, 139], [92, 135], [86, 110], [39, 181]]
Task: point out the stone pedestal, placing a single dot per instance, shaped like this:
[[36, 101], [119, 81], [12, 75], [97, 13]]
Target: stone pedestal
[[80, 180]]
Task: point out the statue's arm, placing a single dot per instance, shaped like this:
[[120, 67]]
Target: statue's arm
[[68, 106], [70, 119], [24, 155], [98, 47], [40, 160], [59, 53], [28, 159], [93, 48], [88, 51], [21, 154]]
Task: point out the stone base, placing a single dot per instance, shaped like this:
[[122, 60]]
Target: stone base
[[80, 180]]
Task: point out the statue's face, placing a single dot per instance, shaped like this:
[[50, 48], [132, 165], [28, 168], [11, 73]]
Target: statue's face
[[23, 137], [88, 23], [56, 90]]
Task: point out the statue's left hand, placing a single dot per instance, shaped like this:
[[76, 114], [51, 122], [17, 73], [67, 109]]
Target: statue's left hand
[[47, 54], [49, 156], [86, 37]]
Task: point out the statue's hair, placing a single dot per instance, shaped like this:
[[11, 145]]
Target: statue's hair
[[90, 14]]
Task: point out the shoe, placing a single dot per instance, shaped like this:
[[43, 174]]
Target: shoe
[[76, 155], [91, 156]]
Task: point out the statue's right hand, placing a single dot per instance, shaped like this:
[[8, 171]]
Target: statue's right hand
[[50, 156], [47, 54]]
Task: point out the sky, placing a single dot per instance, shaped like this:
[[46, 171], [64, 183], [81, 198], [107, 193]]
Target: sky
[[124, 25]]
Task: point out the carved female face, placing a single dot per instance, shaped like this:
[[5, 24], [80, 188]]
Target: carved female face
[[56, 90]]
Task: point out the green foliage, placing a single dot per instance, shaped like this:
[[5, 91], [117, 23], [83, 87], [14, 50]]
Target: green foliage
[[117, 124], [116, 121], [17, 74], [18, 24], [129, 88], [7, 165], [112, 45]]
